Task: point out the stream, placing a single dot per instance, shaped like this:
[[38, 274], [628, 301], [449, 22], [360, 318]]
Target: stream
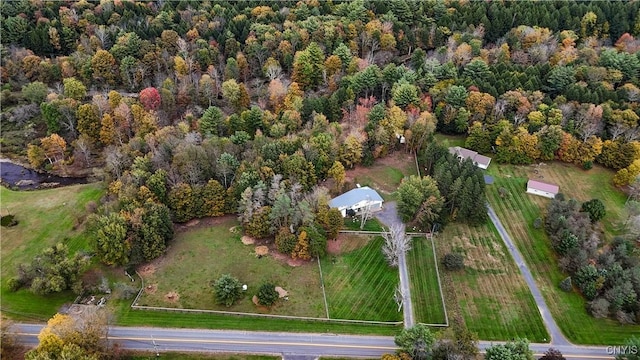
[[17, 176]]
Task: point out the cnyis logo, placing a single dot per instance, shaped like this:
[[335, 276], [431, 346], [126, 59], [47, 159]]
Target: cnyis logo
[[623, 350]]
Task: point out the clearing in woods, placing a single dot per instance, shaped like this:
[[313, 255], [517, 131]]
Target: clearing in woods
[[384, 175], [518, 210], [490, 293]]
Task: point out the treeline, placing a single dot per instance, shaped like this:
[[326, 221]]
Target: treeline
[[194, 108], [451, 190], [608, 276]]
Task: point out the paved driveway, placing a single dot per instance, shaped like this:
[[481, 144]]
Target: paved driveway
[[389, 214]]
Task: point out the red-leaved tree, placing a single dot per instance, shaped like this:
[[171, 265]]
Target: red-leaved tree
[[150, 98]]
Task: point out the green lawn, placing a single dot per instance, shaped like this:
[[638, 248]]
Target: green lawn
[[425, 293], [490, 293], [46, 217], [199, 256], [354, 224], [450, 140], [518, 211], [385, 175], [360, 285]]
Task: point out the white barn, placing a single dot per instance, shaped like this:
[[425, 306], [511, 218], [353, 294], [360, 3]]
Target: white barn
[[543, 189], [357, 199]]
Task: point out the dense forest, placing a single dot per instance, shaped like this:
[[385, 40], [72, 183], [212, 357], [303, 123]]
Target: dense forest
[[190, 109]]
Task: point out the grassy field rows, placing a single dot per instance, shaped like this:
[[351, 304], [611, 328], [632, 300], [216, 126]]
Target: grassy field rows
[[517, 211], [425, 293], [489, 294], [360, 285], [45, 218]]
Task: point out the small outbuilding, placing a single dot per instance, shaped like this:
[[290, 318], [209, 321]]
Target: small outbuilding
[[543, 189], [356, 200], [478, 160]]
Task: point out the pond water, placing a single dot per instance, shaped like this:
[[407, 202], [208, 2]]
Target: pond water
[[17, 176]]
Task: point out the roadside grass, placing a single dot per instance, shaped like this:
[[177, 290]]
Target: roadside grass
[[423, 278], [353, 223], [45, 218], [196, 356], [518, 212], [199, 256], [490, 293], [360, 285], [126, 316]]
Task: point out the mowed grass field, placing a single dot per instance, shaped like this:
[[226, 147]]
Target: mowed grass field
[[490, 293], [518, 212], [360, 285], [45, 218], [423, 278], [199, 256]]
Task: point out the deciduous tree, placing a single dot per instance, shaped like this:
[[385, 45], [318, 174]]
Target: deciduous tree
[[417, 341]]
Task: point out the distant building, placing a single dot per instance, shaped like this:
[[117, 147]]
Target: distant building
[[542, 189], [478, 160], [357, 199]]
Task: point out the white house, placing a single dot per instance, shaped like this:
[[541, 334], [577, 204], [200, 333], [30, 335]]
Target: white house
[[478, 160], [357, 199], [542, 189]]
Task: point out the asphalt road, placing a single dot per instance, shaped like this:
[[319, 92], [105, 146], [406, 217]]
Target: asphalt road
[[288, 345], [557, 338]]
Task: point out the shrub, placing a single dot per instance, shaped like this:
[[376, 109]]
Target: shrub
[[453, 261], [566, 284], [227, 290], [595, 208], [599, 308], [587, 165], [124, 291], [14, 284], [537, 223], [267, 294], [286, 241]]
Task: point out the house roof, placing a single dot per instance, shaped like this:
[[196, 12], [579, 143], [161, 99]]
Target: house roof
[[354, 196], [470, 154], [539, 185], [482, 160]]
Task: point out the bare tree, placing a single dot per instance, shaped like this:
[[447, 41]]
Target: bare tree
[[396, 242], [399, 297], [617, 130], [83, 146]]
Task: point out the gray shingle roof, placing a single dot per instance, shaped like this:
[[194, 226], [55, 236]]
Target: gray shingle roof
[[354, 196]]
